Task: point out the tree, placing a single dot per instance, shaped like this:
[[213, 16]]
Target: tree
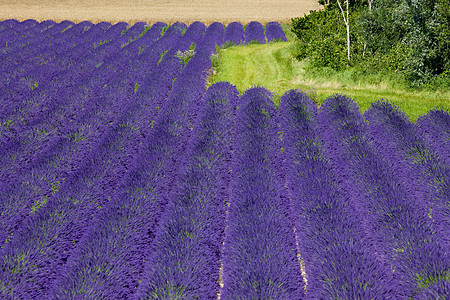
[[347, 25]]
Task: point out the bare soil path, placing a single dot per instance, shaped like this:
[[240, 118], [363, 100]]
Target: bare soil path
[[151, 11]]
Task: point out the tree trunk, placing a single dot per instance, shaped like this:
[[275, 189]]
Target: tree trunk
[[365, 42], [348, 34], [347, 25]]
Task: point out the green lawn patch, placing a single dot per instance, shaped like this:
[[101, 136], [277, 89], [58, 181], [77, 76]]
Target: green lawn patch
[[273, 67]]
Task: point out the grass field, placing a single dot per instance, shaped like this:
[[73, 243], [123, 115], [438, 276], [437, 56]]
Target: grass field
[[273, 67]]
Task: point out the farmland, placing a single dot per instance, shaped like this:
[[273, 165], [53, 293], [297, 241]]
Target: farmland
[[125, 176], [152, 11]]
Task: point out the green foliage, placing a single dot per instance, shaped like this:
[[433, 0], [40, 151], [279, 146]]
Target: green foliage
[[378, 62], [146, 28], [228, 44], [321, 37], [185, 56], [254, 42], [332, 4], [383, 26], [423, 29], [161, 55], [407, 37], [164, 29], [273, 66], [428, 38]]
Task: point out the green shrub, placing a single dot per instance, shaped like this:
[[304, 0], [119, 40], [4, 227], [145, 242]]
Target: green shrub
[[321, 37], [407, 38]]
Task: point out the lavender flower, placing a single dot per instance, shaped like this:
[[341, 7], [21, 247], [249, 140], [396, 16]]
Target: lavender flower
[[274, 32]]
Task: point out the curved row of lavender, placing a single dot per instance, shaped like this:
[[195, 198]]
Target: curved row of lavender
[[425, 171], [185, 261], [99, 171], [435, 127], [132, 216], [259, 255], [254, 32], [397, 222], [339, 259], [274, 32], [77, 127]]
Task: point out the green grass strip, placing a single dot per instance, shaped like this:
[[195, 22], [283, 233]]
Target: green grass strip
[[273, 67]]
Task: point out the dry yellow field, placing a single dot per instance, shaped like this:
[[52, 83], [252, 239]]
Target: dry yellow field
[[150, 11]]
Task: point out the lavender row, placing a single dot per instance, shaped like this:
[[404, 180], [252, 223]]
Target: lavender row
[[8, 24], [72, 209], [49, 235], [28, 37], [61, 43], [132, 216], [234, 33], [254, 33], [394, 220], [338, 258], [213, 37], [435, 128], [45, 109], [186, 260], [274, 32], [13, 28], [424, 172], [260, 257], [65, 152]]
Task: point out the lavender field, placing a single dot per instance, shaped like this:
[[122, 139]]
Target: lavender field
[[122, 176]]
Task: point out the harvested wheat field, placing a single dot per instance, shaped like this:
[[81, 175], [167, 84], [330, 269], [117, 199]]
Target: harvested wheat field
[[151, 11]]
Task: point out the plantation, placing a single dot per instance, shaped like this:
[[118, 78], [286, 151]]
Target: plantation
[[124, 176]]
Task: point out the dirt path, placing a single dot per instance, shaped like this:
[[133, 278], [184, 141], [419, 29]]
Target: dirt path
[[151, 11]]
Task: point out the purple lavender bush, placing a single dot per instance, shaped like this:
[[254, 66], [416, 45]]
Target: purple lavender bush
[[274, 32], [254, 33], [234, 34], [259, 256], [219, 28], [338, 257], [213, 37], [402, 233], [129, 219], [6, 24], [435, 128], [188, 244], [424, 172]]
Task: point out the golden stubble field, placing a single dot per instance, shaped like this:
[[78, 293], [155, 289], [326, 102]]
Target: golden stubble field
[[150, 11]]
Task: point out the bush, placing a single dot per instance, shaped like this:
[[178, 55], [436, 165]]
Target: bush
[[411, 38], [321, 37]]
